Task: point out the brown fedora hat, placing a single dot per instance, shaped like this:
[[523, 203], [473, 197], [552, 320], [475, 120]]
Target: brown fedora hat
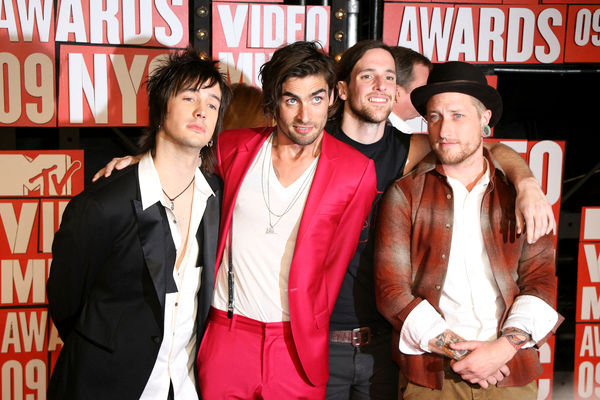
[[461, 77]]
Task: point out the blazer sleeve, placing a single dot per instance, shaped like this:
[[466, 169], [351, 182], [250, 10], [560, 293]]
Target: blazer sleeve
[[79, 249], [393, 271]]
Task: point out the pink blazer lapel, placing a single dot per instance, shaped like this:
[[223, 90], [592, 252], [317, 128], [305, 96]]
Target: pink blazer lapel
[[233, 167]]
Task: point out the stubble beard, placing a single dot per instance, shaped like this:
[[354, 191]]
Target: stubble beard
[[304, 140], [368, 115], [457, 158]]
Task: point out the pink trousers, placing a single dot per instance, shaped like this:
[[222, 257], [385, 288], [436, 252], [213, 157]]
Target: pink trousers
[[241, 358]]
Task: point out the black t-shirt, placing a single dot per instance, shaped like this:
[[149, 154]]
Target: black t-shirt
[[355, 305]]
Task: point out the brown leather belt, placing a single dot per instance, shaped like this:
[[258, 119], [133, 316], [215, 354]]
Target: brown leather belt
[[358, 337]]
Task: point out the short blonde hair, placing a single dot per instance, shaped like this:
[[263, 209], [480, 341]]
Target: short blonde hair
[[478, 105]]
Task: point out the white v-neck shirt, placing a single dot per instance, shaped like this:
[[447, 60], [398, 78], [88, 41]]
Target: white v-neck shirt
[[262, 260]]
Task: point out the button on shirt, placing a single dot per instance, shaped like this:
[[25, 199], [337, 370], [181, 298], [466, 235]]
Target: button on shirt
[[177, 353], [470, 302]]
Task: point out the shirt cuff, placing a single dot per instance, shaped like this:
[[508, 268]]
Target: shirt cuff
[[422, 324], [532, 315]]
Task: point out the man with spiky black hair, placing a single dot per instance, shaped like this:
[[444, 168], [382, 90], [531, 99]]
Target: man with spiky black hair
[[133, 261]]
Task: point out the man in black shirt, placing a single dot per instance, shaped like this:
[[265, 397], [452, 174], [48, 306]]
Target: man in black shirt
[[360, 363]]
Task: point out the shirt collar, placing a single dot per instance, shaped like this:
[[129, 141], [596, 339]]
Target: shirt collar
[[151, 189], [482, 182], [399, 123]]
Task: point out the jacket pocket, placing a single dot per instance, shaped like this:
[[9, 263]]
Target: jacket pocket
[[322, 319]]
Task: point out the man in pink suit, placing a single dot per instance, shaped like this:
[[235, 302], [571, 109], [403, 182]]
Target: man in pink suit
[[294, 202]]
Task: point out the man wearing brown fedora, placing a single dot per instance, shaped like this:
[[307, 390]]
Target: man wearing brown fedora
[[469, 298]]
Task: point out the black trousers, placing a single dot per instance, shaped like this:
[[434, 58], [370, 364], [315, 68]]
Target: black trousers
[[366, 372]]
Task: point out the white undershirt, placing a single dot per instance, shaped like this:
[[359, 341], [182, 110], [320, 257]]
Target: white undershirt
[[262, 260], [176, 356], [470, 301], [414, 125]]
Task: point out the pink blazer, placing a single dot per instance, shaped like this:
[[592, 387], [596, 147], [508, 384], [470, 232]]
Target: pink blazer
[[338, 203]]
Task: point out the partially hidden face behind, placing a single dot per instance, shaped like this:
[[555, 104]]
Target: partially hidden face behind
[[404, 105], [191, 116], [370, 94], [303, 108], [455, 122]]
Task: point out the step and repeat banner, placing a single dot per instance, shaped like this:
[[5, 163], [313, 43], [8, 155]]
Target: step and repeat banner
[[245, 35], [497, 32], [75, 63], [587, 314], [35, 187], [83, 62]]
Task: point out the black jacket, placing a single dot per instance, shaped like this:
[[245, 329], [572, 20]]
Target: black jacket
[[112, 267]]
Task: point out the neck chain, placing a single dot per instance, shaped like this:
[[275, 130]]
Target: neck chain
[[172, 199], [267, 197]]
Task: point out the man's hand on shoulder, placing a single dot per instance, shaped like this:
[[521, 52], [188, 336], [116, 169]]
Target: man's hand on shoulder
[[116, 163], [533, 212]]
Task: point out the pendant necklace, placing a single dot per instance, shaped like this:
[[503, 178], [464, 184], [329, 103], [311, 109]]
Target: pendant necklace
[[172, 199], [267, 196]]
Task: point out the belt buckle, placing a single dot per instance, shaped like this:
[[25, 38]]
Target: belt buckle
[[361, 336]]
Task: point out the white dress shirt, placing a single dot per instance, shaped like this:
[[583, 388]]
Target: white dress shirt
[[177, 354]]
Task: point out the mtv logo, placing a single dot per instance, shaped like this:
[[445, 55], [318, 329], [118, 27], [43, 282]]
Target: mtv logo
[[34, 176]]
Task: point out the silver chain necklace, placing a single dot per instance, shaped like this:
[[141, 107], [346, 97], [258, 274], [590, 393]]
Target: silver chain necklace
[[267, 197]]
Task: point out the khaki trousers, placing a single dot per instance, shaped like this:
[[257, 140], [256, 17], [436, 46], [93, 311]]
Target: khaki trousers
[[457, 389]]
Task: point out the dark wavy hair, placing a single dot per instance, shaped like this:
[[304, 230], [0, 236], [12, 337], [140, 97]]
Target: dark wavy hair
[[181, 70], [346, 64], [296, 60]]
